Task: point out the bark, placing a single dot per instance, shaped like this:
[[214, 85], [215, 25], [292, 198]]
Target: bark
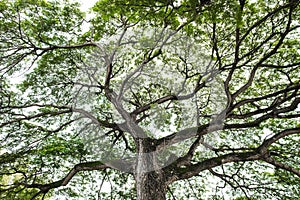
[[151, 186], [149, 177]]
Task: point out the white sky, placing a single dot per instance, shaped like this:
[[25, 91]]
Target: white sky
[[86, 4]]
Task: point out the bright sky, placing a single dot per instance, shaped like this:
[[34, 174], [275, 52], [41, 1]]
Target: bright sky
[[86, 4]]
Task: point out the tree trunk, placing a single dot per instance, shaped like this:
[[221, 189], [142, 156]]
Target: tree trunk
[[151, 186], [149, 177]]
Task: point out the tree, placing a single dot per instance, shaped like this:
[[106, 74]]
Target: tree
[[150, 96]]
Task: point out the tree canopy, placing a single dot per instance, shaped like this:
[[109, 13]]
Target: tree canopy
[[177, 99]]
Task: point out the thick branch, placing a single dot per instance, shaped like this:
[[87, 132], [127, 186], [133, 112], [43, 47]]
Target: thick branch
[[261, 153], [274, 114], [88, 166], [193, 170], [278, 136], [283, 166], [271, 95]]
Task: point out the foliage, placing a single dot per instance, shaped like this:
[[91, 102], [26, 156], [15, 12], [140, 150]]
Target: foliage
[[197, 95]]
